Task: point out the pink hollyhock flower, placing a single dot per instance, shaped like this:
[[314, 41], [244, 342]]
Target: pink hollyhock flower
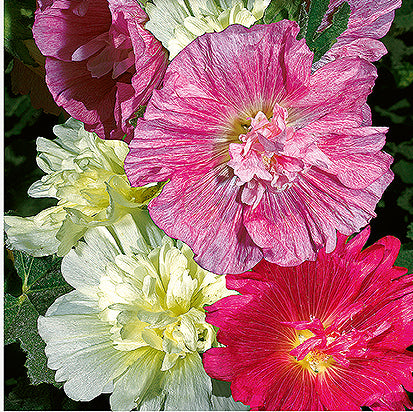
[[325, 335], [101, 64], [368, 22], [264, 158]]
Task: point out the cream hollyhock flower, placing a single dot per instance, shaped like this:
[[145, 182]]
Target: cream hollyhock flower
[[86, 175], [176, 23], [135, 323]]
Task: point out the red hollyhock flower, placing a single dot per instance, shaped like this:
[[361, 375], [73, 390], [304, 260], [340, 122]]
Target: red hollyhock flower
[[325, 335]]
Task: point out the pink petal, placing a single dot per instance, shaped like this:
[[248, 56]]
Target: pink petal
[[184, 208]]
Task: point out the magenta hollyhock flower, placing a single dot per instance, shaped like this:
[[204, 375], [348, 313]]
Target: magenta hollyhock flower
[[101, 64], [368, 22], [326, 335], [264, 158]]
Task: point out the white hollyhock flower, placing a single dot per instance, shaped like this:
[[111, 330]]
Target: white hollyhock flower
[[135, 323], [86, 175], [177, 22]]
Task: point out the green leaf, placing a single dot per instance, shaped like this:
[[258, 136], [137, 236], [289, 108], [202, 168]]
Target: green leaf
[[282, 9], [403, 74], [400, 59], [410, 231], [405, 149], [392, 114], [21, 108], [318, 41], [405, 258], [26, 397], [403, 20], [42, 283], [405, 201], [318, 9], [18, 21], [323, 43], [404, 169], [137, 114]]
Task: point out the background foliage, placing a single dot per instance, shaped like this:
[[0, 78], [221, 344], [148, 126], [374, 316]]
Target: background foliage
[[30, 112]]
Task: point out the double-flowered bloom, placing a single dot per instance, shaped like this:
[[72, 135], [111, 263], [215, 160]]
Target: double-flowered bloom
[[326, 335], [135, 323], [265, 158], [86, 175], [176, 22], [249, 151]]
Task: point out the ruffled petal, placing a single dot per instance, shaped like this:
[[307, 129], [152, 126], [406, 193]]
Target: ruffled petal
[[185, 209]]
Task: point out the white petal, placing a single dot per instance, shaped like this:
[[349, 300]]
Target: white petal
[[80, 348], [141, 382], [35, 235], [84, 266], [73, 303], [129, 236], [187, 386]]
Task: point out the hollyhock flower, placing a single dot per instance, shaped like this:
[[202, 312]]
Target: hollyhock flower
[[368, 22], [135, 324], [325, 335], [176, 23], [264, 158], [86, 175], [101, 64]]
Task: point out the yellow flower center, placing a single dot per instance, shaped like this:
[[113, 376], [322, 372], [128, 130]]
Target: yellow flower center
[[316, 360]]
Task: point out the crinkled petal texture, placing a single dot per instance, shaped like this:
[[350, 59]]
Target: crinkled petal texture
[[325, 335], [368, 22], [135, 323], [264, 158], [86, 175], [101, 64]]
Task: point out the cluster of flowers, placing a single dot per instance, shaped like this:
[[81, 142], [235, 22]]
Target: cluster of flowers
[[253, 156]]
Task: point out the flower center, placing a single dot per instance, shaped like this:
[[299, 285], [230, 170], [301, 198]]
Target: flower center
[[318, 348], [317, 361], [271, 155], [150, 304], [109, 52]]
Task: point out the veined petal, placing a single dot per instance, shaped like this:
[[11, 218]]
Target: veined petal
[[262, 157], [323, 335]]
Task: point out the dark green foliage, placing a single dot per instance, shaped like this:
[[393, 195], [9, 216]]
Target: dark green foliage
[[42, 283], [18, 21], [397, 113], [283, 9], [22, 396], [405, 258], [21, 108], [318, 41], [400, 52]]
